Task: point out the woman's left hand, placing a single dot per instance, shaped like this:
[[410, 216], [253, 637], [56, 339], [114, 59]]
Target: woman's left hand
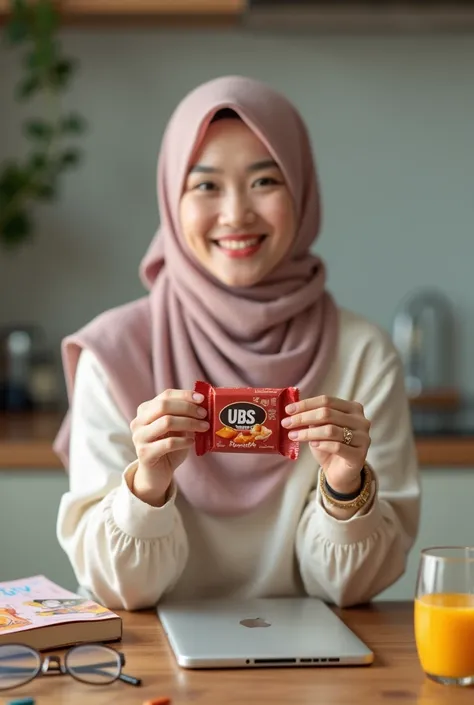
[[338, 434]]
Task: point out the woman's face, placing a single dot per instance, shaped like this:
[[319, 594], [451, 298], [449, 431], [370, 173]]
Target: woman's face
[[236, 212]]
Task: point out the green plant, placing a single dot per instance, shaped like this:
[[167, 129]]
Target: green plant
[[47, 73]]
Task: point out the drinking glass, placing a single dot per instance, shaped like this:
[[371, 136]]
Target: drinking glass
[[444, 614]]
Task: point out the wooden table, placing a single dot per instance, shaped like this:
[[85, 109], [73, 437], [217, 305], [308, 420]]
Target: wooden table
[[395, 676]]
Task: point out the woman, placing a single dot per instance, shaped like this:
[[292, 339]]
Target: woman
[[235, 299]]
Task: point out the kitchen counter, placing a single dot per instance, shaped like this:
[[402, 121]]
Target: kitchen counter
[[26, 442]]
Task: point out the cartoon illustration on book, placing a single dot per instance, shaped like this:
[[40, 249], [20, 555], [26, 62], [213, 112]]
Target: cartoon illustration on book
[[53, 606], [10, 619]]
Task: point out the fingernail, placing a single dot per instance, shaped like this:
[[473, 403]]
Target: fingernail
[[201, 412], [315, 444], [293, 435], [286, 423], [198, 397], [204, 425], [290, 408]]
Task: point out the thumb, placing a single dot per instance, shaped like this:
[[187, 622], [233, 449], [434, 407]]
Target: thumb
[[320, 456]]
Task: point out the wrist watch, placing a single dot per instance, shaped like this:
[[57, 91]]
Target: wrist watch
[[351, 501]]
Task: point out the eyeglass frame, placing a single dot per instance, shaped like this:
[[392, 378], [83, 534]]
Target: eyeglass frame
[[61, 668]]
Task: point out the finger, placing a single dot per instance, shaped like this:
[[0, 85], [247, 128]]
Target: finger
[[186, 394], [319, 402], [168, 425], [351, 455], [152, 452], [331, 433], [172, 405], [326, 415]]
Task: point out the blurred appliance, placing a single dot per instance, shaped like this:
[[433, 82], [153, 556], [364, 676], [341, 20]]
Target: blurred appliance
[[424, 334], [27, 373], [362, 15]]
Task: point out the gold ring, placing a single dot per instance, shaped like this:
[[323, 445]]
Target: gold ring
[[348, 435]]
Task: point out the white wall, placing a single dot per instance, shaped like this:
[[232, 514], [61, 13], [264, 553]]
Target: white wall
[[29, 502]]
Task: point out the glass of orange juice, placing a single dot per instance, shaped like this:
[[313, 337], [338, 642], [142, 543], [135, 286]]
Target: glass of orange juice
[[444, 614]]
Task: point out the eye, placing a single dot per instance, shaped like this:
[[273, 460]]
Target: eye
[[205, 186], [266, 181]]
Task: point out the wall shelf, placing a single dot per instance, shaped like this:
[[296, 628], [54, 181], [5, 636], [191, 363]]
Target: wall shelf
[[161, 11]]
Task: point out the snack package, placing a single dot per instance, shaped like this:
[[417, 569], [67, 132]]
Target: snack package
[[246, 420]]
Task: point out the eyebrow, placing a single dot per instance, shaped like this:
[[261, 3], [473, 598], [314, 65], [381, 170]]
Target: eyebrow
[[256, 166]]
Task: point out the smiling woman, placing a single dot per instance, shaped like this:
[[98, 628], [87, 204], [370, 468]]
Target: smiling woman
[[236, 205], [236, 299]]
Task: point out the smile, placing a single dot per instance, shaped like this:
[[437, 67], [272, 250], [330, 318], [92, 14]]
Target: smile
[[240, 247]]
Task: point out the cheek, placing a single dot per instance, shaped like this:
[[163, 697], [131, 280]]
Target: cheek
[[279, 212], [196, 218]]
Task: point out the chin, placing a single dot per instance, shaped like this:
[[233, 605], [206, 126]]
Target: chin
[[239, 280]]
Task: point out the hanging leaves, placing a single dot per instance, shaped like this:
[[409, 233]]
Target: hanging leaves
[[46, 72]]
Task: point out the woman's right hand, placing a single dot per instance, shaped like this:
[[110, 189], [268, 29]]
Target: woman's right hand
[[163, 432]]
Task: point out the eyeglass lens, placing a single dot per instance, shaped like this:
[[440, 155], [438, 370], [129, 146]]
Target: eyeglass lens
[[18, 664], [93, 663]]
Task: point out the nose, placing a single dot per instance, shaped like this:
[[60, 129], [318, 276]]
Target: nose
[[236, 211]]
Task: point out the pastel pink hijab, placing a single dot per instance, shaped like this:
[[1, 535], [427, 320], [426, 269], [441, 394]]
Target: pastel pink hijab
[[280, 332]]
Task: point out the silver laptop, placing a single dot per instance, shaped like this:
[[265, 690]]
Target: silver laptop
[[260, 633]]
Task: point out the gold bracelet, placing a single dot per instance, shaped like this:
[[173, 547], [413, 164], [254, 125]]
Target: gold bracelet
[[361, 499]]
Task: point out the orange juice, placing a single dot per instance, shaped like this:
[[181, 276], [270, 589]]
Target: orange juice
[[444, 630]]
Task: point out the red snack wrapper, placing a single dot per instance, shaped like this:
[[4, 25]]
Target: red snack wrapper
[[246, 420]]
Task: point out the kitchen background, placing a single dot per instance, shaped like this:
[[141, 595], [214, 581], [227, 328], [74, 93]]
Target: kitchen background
[[391, 122]]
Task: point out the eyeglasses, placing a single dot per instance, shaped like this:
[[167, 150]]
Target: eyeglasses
[[89, 663]]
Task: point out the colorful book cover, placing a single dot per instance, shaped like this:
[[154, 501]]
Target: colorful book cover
[[37, 602]]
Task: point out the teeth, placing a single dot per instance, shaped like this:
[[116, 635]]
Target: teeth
[[239, 244]]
